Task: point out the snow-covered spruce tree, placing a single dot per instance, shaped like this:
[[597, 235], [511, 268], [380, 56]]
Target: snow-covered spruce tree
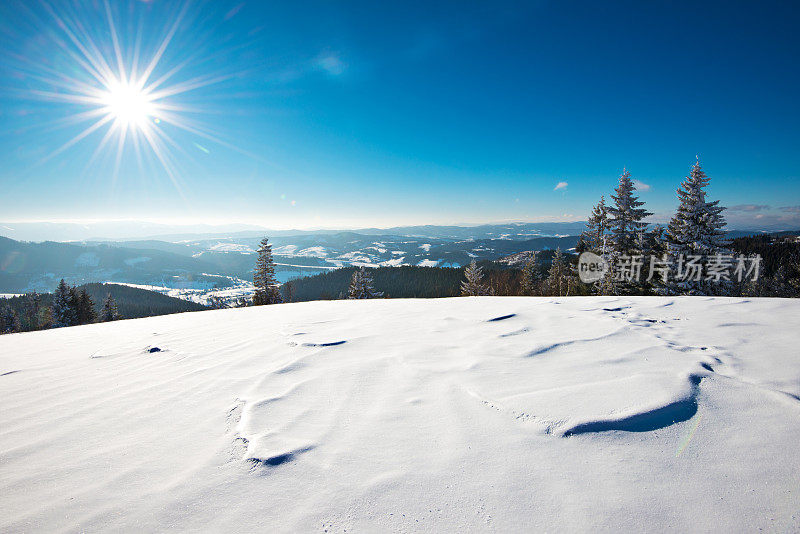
[[596, 233], [64, 306], [361, 285], [606, 285], [473, 285], [626, 216], [559, 278], [109, 312], [264, 277], [528, 281], [627, 230], [697, 226]]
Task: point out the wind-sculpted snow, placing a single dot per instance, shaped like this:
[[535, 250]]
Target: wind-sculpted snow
[[468, 414]]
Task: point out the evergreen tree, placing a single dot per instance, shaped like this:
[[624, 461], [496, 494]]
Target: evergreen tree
[[267, 291], [288, 291], [473, 284], [361, 285], [626, 217], [696, 229], [85, 308], [64, 306], [597, 227], [109, 312], [528, 275], [697, 226], [607, 285], [9, 320], [558, 277], [32, 311]]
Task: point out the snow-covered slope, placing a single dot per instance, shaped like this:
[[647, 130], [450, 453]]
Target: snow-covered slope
[[479, 414]]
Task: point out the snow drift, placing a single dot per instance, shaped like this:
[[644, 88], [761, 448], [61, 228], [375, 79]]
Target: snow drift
[[480, 414]]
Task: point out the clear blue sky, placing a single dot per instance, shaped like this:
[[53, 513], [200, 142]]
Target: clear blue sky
[[325, 114]]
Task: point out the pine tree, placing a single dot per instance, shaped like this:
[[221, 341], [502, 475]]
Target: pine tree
[[697, 226], [9, 320], [85, 308], [110, 312], [528, 282], [597, 228], [473, 285], [696, 229], [607, 285], [361, 285], [288, 291], [64, 306], [32, 311], [558, 277], [626, 217], [264, 277]]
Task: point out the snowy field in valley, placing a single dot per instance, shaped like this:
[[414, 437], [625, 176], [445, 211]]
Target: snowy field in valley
[[467, 414], [239, 289]]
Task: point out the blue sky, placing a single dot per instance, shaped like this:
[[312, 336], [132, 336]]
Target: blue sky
[[335, 114]]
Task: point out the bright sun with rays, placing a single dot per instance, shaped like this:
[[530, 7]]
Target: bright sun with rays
[[122, 95], [130, 105]]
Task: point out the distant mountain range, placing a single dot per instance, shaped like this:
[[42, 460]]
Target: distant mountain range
[[213, 261], [143, 230], [207, 264]]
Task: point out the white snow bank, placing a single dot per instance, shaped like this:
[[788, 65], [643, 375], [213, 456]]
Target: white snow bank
[[469, 414]]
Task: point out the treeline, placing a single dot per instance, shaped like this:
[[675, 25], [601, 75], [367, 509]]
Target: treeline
[[432, 282], [780, 263], [546, 273], [690, 256], [89, 303]]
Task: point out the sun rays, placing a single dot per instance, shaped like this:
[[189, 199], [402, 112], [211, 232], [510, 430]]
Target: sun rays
[[127, 100]]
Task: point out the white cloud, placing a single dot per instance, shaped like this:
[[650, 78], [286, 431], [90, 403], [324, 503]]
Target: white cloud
[[748, 207], [331, 63], [641, 186], [560, 185]]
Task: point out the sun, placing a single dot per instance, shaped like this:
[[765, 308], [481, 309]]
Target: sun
[[128, 104], [128, 97]]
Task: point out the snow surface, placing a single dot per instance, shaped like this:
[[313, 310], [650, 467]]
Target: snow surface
[[466, 414]]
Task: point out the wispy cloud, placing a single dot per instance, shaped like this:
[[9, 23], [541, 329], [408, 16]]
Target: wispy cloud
[[331, 63], [749, 207], [232, 13], [791, 209], [560, 185], [641, 186]]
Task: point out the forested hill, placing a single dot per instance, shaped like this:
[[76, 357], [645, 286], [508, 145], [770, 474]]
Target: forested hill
[[132, 302], [410, 281]]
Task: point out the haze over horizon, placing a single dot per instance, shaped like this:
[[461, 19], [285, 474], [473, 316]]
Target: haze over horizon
[[379, 115]]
